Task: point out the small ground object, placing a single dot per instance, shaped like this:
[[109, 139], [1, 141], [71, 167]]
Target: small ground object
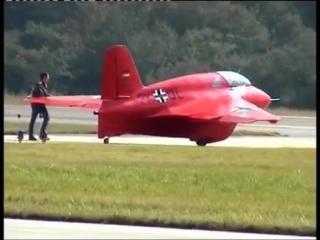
[[20, 135], [44, 137]]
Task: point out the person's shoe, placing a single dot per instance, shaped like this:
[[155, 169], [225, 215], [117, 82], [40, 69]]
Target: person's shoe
[[32, 138]]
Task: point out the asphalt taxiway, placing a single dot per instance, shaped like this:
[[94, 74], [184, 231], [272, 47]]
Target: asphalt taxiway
[[290, 126]]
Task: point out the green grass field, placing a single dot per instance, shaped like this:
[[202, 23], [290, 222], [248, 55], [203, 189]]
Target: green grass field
[[11, 128], [265, 190], [14, 99]]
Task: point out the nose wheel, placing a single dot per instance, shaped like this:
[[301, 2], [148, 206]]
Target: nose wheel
[[202, 142], [106, 140]]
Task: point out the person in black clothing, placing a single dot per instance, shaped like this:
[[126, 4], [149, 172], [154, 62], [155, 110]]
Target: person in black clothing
[[39, 90]]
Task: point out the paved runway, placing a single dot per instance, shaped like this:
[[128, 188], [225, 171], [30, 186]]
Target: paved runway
[[22, 229], [291, 126], [244, 142]]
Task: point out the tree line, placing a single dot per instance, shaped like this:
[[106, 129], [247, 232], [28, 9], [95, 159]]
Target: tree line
[[273, 43]]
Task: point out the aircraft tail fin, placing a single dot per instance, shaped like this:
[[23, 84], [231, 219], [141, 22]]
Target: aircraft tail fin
[[120, 78]]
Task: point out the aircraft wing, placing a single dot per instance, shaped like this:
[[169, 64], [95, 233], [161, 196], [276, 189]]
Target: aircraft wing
[[87, 102], [247, 113], [226, 109]]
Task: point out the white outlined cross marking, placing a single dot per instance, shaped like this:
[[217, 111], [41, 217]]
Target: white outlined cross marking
[[160, 95]]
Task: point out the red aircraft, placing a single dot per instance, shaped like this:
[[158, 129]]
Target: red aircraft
[[204, 107]]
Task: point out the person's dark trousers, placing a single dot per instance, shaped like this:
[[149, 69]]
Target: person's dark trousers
[[38, 109]]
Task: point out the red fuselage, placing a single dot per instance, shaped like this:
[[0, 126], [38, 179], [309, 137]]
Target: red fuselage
[[139, 114]]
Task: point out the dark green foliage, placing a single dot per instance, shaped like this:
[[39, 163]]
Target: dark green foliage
[[272, 43]]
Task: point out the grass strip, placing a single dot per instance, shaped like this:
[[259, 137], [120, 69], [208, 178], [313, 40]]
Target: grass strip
[[253, 190]]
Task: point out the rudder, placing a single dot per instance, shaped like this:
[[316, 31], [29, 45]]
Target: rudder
[[120, 78]]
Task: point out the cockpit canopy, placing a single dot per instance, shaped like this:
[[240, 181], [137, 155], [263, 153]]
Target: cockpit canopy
[[235, 79]]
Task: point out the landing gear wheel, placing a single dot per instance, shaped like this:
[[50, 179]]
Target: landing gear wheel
[[202, 142], [106, 140]]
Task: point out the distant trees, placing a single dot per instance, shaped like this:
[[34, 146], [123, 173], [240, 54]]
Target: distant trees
[[272, 43]]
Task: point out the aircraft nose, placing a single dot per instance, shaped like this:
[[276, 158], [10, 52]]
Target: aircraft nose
[[258, 98], [263, 100]]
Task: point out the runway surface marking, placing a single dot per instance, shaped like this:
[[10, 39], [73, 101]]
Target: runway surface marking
[[28, 229], [246, 142]]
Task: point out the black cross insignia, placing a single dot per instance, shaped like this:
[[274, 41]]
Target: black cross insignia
[[160, 95]]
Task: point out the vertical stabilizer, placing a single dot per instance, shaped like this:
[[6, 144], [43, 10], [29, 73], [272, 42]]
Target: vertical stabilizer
[[120, 78]]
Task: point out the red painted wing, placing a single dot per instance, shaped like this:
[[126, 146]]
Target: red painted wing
[[222, 109], [242, 111], [87, 102]]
